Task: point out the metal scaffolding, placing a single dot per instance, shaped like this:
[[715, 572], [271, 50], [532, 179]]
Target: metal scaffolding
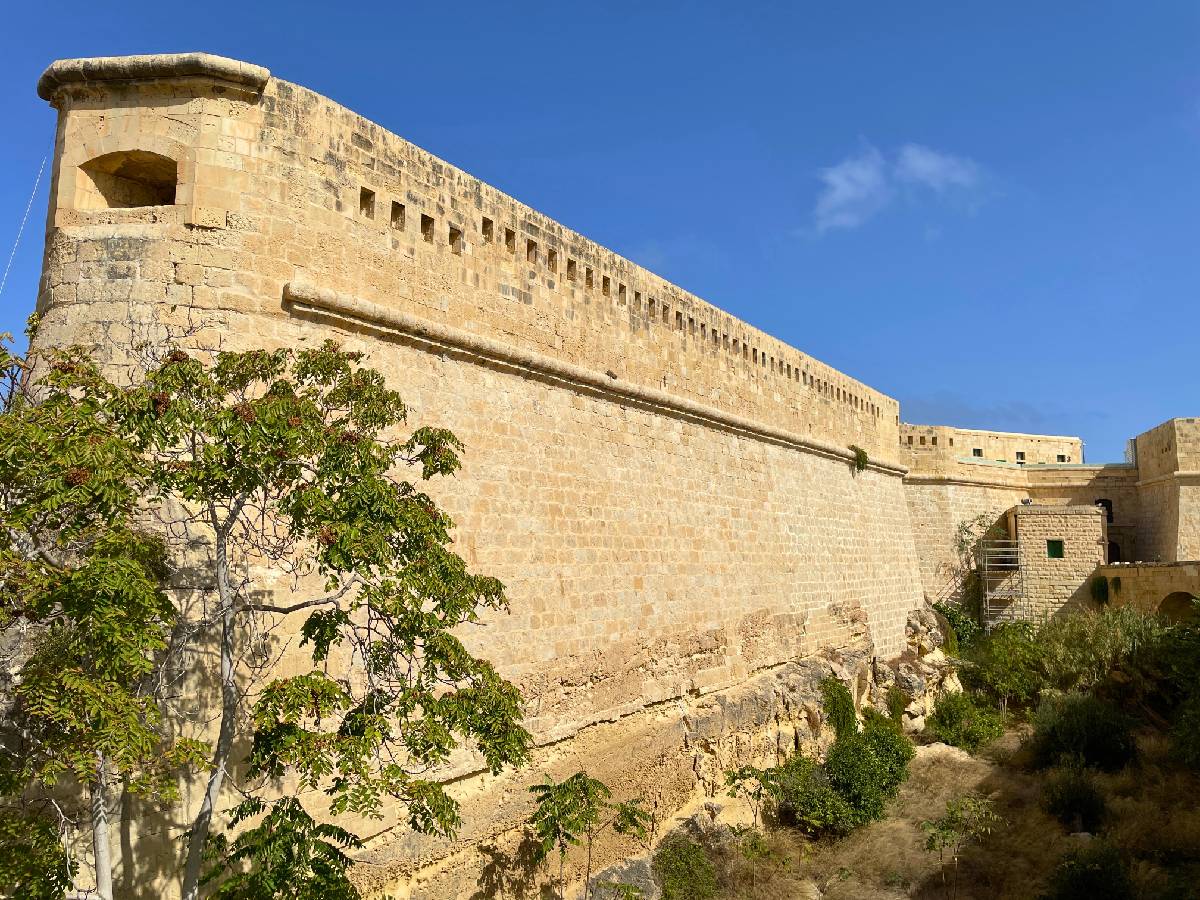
[[1002, 582]]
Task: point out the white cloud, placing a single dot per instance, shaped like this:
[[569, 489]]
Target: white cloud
[[940, 171], [861, 186], [855, 190]]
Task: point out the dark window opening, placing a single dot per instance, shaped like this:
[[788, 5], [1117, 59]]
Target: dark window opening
[[427, 228], [128, 179], [456, 240], [366, 203], [1107, 506], [1055, 549], [572, 269], [977, 453], [552, 260], [510, 240], [397, 218], [488, 229]]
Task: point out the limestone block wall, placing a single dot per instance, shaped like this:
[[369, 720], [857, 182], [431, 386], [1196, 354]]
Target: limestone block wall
[[666, 492], [922, 443], [1052, 584], [937, 506], [1164, 588]]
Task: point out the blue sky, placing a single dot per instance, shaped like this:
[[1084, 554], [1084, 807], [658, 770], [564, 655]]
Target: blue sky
[[989, 211]]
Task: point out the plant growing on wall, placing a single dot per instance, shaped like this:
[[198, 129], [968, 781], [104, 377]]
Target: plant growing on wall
[[576, 810], [860, 458], [145, 525]]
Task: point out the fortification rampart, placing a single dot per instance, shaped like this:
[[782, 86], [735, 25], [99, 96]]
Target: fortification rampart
[[666, 492]]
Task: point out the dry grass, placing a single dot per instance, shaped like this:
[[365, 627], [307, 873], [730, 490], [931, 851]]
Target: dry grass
[[1151, 815]]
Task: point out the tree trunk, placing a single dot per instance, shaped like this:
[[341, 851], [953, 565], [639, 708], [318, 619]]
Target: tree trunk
[[101, 847], [202, 824]]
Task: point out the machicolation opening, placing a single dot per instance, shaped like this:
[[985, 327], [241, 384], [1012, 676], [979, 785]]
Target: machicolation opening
[[127, 179]]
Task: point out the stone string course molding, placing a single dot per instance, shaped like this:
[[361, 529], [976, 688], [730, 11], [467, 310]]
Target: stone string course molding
[[306, 297]]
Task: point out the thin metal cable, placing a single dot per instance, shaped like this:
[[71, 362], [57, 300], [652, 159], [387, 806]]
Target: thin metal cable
[[25, 218]]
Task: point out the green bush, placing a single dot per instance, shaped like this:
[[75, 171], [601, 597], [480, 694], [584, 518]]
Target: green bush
[[891, 749], [1079, 652], [1005, 665], [897, 702], [965, 630], [1081, 727], [960, 721], [1185, 734], [684, 870], [867, 768], [807, 801], [1096, 872], [839, 707], [1071, 796]]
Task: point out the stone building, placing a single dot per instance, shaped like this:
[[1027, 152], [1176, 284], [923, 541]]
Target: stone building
[[673, 498]]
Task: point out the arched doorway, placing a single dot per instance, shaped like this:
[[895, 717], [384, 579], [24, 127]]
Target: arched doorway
[[1114, 552], [1178, 607]]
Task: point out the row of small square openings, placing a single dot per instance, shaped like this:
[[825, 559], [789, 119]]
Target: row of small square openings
[[655, 311]]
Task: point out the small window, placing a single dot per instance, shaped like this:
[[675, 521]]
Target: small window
[[1062, 457], [650, 308], [510, 240], [933, 440], [531, 251], [922, 440], [951, 442], [127, 179], [637, 299], [605, 285], [621, 294], [572, 269], [427, 228], [397, 217], [366, 203], [456, 240], [692, 324], [1054, 549], [589, 278], [552, 260], [977, 452], [678, 320], [488, 228], [910, 440]]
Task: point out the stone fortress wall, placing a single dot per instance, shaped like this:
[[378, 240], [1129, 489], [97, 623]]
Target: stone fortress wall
[[667, 492]]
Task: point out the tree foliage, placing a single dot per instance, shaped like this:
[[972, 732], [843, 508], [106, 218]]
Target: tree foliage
[[213, 480]]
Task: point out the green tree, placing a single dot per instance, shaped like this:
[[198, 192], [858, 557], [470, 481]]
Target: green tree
[[758, 786], [968, 819], [221, 477], [577, 809]]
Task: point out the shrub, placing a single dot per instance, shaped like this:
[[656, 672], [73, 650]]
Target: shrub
[[684, 870], [1185, 734], [1080, 651], [808, 801], [897, 702], [867, 768], [1004, 665], [961, 722], [891, 749], [965, 630], [839, 707], [1096, 872], [1071, 796], [1079, 726]]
